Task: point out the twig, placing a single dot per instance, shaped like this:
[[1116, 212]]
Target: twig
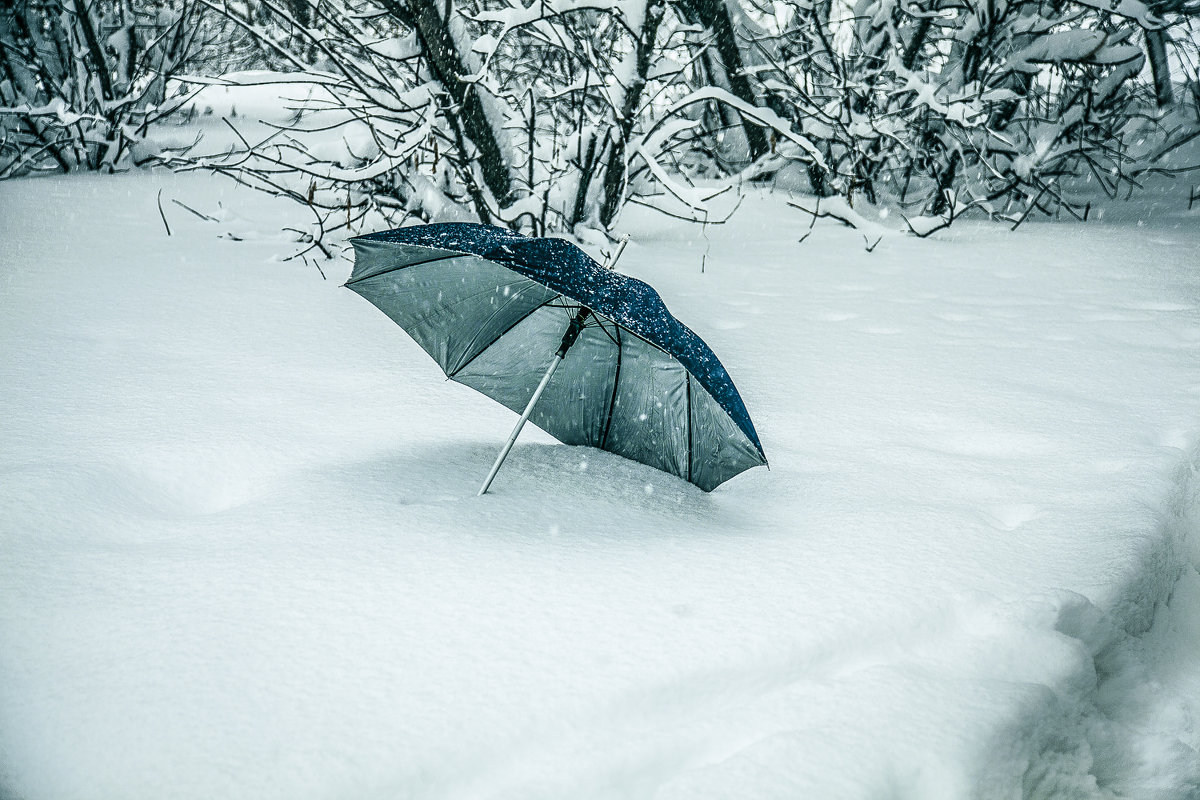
[[818, 214], [812, 222], [1029, 208], [204, 217], [304, 258], [1175, 145], [162, 214], [703, 220], [945, 224]]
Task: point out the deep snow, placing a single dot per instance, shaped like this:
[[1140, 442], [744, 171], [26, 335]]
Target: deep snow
[[241, 553]]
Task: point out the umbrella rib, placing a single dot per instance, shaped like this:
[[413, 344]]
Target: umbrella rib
[[612, 401], [600, 325], [509, 300], [502, 334], [688, 383]]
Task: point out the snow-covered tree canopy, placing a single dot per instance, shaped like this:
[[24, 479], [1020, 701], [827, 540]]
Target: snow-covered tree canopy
[[80, 81], [552, 114]]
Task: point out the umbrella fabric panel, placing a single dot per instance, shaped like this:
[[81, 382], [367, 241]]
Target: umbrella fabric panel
[[574, 408], [374, 256], [575, 403], [719, 450], [649, 410], [564, 268], [490, 298], [461, 237], [630, 399]]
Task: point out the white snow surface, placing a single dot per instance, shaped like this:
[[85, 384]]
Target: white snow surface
[[241, 554]]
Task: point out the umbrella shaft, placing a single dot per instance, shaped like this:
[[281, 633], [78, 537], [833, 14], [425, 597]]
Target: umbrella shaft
[[521, 422]]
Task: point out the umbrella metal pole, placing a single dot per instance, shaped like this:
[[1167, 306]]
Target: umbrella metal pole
[[572, 334], [573, 331], [521, 423]]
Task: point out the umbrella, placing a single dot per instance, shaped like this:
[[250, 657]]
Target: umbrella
[[500, 312]]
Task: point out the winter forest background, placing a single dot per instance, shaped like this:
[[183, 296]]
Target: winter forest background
[[549, 115], [946, 249]]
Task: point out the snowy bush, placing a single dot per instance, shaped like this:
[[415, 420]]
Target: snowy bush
[[947, 106], [80, 82], [551, 115]]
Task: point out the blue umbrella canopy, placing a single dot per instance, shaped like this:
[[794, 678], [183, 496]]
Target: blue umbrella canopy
[[491, 307]]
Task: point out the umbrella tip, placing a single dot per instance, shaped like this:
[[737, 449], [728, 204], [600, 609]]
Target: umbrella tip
[[611, 261]]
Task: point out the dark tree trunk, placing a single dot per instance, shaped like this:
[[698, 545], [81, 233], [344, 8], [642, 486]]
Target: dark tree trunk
[[302, 12], [1156, 49], [99, 67], [941, 204], [714, 15], [614, 172], [913, 48], [446, 64], [21, 68], [586, 164]]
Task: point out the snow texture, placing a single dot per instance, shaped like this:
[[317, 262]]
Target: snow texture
[[241, 554]]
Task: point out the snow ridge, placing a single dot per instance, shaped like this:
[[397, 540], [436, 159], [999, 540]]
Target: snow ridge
[[241, 554], [1112, 727]]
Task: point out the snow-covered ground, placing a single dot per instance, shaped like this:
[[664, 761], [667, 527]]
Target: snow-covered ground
[[241, 554]]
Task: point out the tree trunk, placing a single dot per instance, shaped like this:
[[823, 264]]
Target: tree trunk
[[913, 48], [714, 15], [614, 173], [586, 164], [446, 64], [99, 66], [21, 68], [1160, 66], [941, 202]]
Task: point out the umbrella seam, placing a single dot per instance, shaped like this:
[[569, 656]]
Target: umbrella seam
[[612, 401], [512, 299], [688, 382]]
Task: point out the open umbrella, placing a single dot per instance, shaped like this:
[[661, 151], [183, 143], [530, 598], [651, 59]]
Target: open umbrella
[[500, 311]]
